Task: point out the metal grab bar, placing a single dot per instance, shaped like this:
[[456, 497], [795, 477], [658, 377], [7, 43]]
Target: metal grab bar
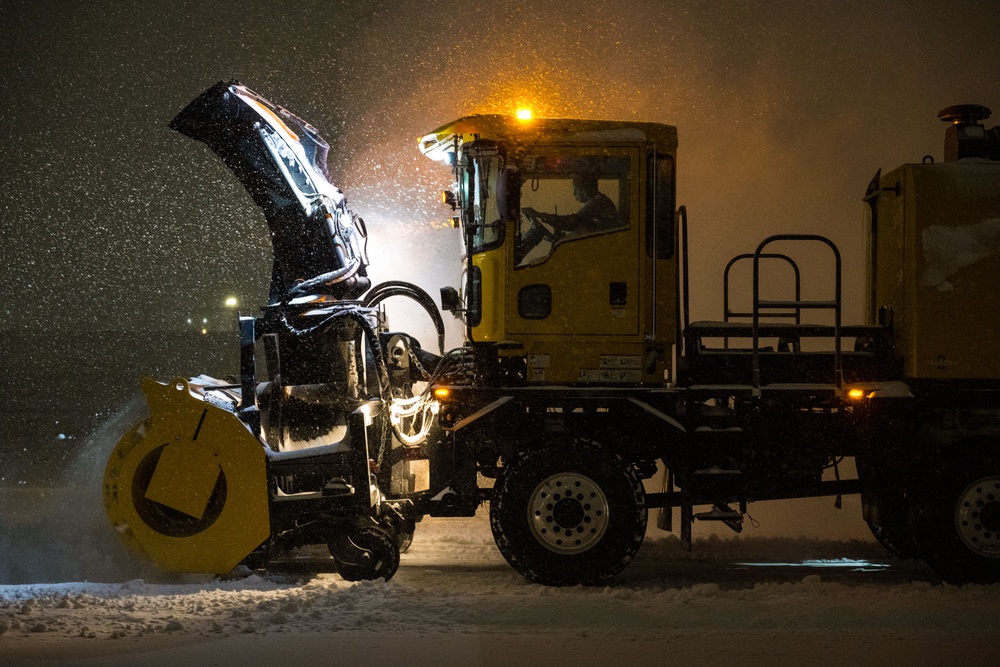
[[798, 303], [728, 313]]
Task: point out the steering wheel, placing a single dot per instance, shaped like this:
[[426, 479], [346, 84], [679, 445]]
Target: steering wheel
[[539, 227]]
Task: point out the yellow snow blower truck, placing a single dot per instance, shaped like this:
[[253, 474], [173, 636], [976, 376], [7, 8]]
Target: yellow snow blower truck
[[581, 377]]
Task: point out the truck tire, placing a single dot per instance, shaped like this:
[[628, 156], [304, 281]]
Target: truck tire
[[567, 515], [957, 523]]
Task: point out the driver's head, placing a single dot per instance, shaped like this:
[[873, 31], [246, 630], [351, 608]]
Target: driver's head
[[584, 186]]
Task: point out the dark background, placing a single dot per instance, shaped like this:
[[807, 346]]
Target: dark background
[[115, 231]]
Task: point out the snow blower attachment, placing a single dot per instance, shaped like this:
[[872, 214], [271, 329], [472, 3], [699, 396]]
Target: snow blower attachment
[[254, 473]]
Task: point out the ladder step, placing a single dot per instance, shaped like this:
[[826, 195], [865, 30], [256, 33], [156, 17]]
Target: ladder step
[[797, 304], [722, 513], [802, 387]]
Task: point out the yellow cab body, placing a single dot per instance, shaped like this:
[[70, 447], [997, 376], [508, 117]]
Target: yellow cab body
[[570, 244]]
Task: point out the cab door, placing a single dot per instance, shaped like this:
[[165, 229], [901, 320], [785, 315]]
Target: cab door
[[574, 275]]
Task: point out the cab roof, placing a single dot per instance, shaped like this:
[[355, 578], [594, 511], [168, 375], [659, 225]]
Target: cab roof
[[511, 130]]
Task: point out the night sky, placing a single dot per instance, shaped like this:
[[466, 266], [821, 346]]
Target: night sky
[[109, 220], [116, 230]]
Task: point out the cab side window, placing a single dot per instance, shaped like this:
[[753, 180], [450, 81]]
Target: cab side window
[[567, 198]]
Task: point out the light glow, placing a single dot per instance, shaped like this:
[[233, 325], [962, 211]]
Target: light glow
[[524, 114], [856, 394], [851, 564], [231, 302], [442, 393], [263, 110]]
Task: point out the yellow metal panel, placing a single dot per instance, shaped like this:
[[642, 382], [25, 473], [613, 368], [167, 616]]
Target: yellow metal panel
[[188, 488], [491, 327], [891, 266], [937, 267], [580, 274], [184, 478], [955, 218], [595, 360]]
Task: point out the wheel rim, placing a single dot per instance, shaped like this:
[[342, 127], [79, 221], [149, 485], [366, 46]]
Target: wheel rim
[[568, 513], [977, 517]]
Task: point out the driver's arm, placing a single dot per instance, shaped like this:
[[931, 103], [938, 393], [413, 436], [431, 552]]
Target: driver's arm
[[558, 222]]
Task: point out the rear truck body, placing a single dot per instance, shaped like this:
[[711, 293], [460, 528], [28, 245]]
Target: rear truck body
[[934, 256]]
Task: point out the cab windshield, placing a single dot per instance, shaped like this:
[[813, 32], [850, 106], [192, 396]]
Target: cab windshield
[[478, 186]]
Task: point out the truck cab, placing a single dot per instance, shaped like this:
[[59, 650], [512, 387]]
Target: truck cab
[[569, 246]]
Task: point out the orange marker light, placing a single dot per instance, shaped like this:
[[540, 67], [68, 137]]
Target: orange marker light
[[856, 394], [442, 393]]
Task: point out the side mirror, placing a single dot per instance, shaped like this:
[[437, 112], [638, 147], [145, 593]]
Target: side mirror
[[509, 193], [450, 301]]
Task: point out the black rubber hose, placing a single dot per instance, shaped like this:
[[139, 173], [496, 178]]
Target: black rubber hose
[[391, 288]]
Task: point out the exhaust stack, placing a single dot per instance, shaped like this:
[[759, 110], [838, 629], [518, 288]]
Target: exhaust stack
[[966, 137]]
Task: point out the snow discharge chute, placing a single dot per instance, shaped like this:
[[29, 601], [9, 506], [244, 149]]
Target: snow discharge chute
[[281, 161]]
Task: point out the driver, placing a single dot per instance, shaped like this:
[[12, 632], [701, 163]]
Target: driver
[[597, 214]]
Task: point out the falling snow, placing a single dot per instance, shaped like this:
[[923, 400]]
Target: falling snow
[[116, 232]]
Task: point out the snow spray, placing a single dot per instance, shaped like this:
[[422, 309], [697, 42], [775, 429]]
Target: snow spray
[[62, 534]]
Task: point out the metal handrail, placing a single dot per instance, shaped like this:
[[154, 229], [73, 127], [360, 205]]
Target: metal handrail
[[727, 313], [798, 303], [683, 292]]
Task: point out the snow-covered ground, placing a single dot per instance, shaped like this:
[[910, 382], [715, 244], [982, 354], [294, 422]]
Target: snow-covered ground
[[758, 599], [805, 584]]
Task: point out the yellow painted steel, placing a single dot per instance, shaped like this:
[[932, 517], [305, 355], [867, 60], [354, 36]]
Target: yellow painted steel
[[437, 144], [936, 266], [492, 325], [587, 337], [188, 487]]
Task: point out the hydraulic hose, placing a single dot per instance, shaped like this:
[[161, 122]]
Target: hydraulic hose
[[391, 288]]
